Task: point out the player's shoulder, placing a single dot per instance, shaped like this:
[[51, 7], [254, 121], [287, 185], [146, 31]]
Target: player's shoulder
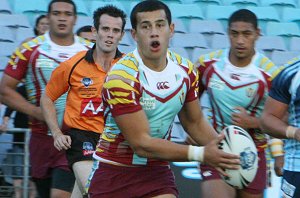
[[290, 69], [81, 41], [129, 62], [263, 62], [181, 61], [126, 70], [32, 43], [207, 59]]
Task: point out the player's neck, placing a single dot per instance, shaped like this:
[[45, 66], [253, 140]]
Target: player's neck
[[63, 41], [103, 59], [240, 61], [155, 64]]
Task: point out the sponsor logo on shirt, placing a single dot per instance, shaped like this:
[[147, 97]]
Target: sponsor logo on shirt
[[91, 107], [147, 103], [162, 85]]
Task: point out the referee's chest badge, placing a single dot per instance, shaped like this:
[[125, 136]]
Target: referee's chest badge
[[86, 81]]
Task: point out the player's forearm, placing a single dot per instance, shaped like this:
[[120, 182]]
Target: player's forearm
[[161, 149], [201, 132], [16, 101], [49, 113], [273, 126]]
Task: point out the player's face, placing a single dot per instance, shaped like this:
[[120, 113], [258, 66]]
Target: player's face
[[43, 26], [242, 36], [62, 19], [152, 35], [109, 33]]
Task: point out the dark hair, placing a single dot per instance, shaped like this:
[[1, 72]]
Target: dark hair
[[110, 10], [243, 15], [86, 28], [36, 33], [149, 6], [64, 1]]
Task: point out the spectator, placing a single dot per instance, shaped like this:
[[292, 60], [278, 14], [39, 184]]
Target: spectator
[[86, 33], [141, 96], [83, 114], [40, 28], [236, 81], [16, 155], [35, 62]]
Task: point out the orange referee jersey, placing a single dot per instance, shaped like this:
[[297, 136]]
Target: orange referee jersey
[[82, 79]]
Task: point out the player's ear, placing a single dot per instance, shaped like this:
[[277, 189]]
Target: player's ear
[[133, 33], [172, 28]]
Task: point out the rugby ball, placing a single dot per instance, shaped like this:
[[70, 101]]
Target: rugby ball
[[238, 141]]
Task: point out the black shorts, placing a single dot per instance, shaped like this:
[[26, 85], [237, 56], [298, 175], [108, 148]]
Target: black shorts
[[83, 145], [290, 184], [60, 179]]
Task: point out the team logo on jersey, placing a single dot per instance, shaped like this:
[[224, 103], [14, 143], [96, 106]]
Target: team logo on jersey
[[86, 81], [91, 107], [87, 148], [147, 103], [250, 92], [162, 85], [216, 84]]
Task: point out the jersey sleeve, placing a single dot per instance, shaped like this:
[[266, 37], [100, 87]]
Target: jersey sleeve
[[121, 90], [280, 87], [18, 63], [202, 65], [193, 92], [58, 83]]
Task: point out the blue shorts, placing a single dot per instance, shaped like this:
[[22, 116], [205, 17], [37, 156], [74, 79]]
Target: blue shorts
[[290, 186]]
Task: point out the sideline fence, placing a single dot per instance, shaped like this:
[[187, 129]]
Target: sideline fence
[[7, 164]]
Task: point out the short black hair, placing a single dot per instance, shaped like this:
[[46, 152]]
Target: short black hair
[[64, 1], [86, 28], [110, 10], [36, 33], [243, 15], [149, 6]]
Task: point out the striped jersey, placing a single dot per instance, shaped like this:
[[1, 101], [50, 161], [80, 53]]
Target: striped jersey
[[130, 87], [228, 86], [35, 60], [286, 89]]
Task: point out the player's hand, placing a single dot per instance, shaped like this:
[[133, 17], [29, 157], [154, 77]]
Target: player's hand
[[278, 165], [242, 119], [217, 158], [61, 141]]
